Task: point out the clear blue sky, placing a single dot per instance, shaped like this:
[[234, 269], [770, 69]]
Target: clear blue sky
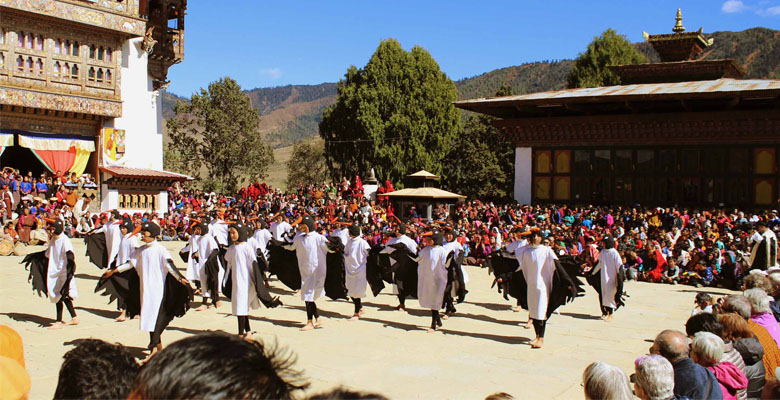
[[264, 43]]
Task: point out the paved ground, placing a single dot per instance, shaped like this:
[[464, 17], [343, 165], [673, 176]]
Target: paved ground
[[480, 351]]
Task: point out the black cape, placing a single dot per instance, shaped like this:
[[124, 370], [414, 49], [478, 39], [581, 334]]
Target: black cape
[[374, 274], [336, 274], [125, 288], [284, 264], [404, 270], [564, 288], [211, 270], [594, 280], [38, 265], [97, 251], [456, 285]]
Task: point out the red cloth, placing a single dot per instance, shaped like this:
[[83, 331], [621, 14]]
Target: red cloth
[[57, 160], [658, 271]]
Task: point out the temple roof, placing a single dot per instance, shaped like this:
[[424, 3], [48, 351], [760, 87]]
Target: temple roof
[[544, 102]]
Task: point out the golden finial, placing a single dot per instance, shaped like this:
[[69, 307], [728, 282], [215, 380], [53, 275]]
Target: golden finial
[[678, 26]]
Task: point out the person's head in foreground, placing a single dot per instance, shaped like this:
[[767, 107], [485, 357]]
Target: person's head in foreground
[[342, 393], [95, 369], [603, 382], [217, 366], [654, 379]]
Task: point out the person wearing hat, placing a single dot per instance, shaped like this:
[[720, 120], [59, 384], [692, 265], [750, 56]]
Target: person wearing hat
[[154, 264], [432, 276], [61, 268], [609, 268], [537, 262], [400, 237], [206, 245], [311, 249], [355, 259], [763, 256], [127, 246], [341, 231], [262, 236], [247, 289]]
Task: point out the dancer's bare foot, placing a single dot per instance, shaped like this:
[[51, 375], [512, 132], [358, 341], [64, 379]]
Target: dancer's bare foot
[[73, 321], [218, 304], [608, 318], [430, 330], [202, 307], [137, 317], [56, 325], [318, 323], [528, 325], [445, 316], [400, 308], [308, 327], [355, 317], [361, 312], [538, 343], [122, 317], [197, 292], [517, 308]]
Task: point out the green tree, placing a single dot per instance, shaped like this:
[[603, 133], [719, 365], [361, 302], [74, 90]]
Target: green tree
[[480, 163], [590, 68], [395, 115], [306, 164], [217, 131]]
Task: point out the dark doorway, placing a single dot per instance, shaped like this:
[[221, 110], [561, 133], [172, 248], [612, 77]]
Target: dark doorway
[[22, 159]]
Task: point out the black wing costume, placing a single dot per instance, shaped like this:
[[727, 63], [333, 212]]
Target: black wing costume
[[335, 276], [284, 264], [374, 272], [125, 288], [456, 285], [405, 275], [97, 251], [38, 265]]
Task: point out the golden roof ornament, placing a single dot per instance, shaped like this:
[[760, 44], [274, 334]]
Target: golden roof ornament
[[678, 26]]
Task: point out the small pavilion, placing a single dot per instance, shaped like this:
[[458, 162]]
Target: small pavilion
[[422, 194]]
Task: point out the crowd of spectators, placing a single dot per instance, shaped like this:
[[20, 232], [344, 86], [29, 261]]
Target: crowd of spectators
[[730, 350]]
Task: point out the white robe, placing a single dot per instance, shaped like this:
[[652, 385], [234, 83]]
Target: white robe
[[219, 230], [538, 266], [311, 249], [262, 237], [150, 262], [113, 239], [126, 247], [239, 258], [432, 277], [279, 228], [58, 272], [609, 264], [192, 266], [355, 258], [206, 245], [342, 234]]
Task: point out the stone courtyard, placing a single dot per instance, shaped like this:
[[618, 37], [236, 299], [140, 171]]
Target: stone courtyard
[[479, 351]]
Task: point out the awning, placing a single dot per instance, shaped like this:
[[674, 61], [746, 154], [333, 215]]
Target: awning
[[55, 143], [142, 173]]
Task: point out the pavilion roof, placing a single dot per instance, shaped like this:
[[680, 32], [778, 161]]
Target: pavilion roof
[[423, 193]]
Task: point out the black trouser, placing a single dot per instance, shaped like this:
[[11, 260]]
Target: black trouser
[[539, 325], [449, 304], [155, 337], [243, 324], [607, 310], [435, 319], [68, 303], [402, 300], [311, 310], [358, 305]]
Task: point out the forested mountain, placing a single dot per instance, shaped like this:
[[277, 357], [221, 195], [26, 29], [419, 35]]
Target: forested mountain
[[293, 112]]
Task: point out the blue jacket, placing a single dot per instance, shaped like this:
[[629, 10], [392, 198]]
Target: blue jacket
[[694, 381]]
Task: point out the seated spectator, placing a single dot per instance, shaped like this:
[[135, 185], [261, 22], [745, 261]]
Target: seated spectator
[[654, 378], [737, 331], [761, 313], [707, 351], [603, 381], [95, 369], [705, 322], [703, 303], [739, 304], [690, 379], [672, 272], [217, 366]]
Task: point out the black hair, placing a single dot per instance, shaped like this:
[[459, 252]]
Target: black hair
[[217, 366], [703, 322], [342, 393], [95, 369]]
